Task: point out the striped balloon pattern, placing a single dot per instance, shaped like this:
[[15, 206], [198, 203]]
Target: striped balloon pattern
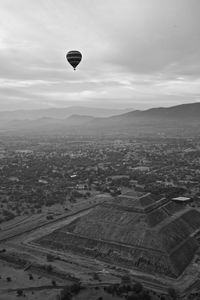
[[74, 58]]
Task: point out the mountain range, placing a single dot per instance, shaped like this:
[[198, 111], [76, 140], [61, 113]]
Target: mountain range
[[180, 120], [60, 113]]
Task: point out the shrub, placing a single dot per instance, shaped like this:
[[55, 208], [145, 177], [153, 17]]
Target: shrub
[[75, 288], [126, 279], [49, 217], [9, 279], [19, 292], [65, 294], [50, 257], [172, 293], [30, 277], [137, 287], [53, 282], [49, 268]]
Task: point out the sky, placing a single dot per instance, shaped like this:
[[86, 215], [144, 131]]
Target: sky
[[136, 53]]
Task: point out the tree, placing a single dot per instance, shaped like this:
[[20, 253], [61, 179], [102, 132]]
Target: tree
[[172, 293], [65, 294], [137, 287], [19, 292], [30, 277], [143, 295], [53, 282], [75, 288], [50, 257], [126, 279], [49, 268], [9, 279], [96, 276]]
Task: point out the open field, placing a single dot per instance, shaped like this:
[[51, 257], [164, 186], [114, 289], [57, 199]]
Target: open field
[[33, 288], [31, 295], [23, 225]]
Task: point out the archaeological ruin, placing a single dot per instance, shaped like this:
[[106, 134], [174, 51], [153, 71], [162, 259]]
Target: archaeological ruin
[[147, 233]]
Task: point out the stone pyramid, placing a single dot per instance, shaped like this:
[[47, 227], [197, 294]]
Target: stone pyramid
[[148, 233]]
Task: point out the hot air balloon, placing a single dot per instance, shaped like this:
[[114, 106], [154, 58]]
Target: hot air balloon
[[74, 57]]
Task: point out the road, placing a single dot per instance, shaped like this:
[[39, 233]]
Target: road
[[6, 235]]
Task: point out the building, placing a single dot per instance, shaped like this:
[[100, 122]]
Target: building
[[182, 199]]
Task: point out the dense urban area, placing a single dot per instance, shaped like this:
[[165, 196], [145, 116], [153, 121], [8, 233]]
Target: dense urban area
[[45, 180], [37, 174]]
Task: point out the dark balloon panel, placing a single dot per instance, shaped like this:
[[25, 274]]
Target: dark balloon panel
[[74, 57]]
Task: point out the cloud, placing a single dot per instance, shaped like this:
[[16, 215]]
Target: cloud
[[132, 49]]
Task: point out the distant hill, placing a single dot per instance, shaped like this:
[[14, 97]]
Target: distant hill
[[186, 111], [59, 113], [181, 120]]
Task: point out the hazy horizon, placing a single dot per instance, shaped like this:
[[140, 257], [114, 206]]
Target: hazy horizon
[[120, 109], [137, 54]]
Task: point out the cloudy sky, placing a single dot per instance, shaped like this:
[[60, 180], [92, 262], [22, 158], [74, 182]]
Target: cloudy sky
[[136, 53]]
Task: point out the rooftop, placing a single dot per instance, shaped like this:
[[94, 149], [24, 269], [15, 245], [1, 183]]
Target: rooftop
[[181, 199]]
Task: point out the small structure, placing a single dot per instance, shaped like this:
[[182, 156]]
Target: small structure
[[182, 199], [13, 179], [142, 168], [42, 181], [81, 186], [73, 176]]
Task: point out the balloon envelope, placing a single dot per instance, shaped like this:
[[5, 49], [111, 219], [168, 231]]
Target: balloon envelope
[[74, 57]]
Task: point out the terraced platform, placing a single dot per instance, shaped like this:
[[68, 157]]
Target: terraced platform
[[153, 235]]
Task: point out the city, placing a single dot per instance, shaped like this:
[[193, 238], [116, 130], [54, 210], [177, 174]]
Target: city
[[50, 182]]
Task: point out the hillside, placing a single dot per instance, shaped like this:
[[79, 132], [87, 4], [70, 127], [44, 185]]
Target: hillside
[[184, 111]]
